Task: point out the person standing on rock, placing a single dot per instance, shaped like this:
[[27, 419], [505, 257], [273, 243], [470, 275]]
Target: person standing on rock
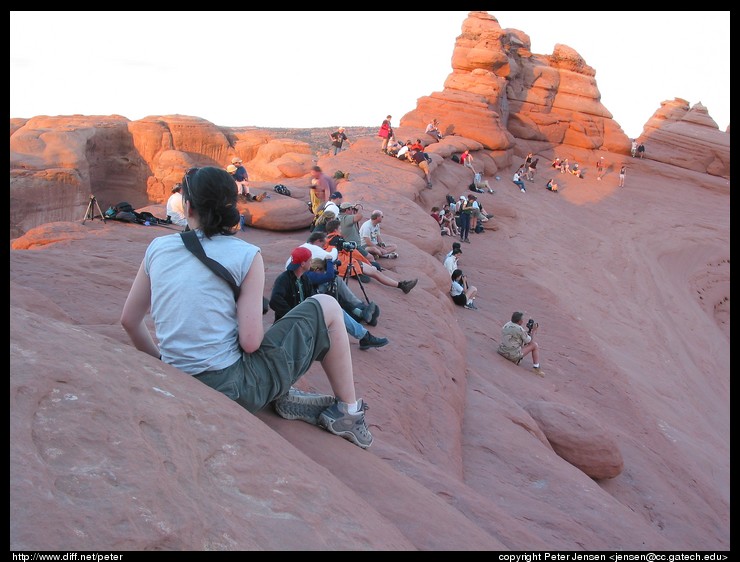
[[641, 150], [206, 329], [599, 168], [337, 138], [622, 174], [322, 186], [385, 132]]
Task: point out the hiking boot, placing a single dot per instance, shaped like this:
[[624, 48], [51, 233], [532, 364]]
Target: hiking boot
[[260, 197], [370, 340], [299, 405], [406, 286], [335, 419], [539, 372], [374, 319], [369, 312]]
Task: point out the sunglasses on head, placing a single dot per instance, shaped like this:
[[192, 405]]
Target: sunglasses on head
[[189, 175]]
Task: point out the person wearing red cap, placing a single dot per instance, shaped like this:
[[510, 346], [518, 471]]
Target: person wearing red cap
[[210, 331], [296, 284]]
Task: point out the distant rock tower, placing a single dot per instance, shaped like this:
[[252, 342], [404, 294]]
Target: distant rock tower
[[499, 91], [687, 137]]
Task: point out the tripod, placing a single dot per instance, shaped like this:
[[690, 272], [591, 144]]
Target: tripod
[[90, 212], [352, 271]]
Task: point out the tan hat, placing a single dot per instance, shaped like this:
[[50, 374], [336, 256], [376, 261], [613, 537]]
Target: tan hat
[[236, 160], [231, 168], [346, 205], [341, 129]]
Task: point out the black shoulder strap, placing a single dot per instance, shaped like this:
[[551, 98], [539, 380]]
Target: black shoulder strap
[[190, 239]]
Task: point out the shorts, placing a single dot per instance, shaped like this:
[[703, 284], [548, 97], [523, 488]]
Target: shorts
[[288, 350], [460, 299], [514, 356]]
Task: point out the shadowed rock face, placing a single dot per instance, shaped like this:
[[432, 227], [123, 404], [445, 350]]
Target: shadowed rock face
[[499, 89], [687, 137]]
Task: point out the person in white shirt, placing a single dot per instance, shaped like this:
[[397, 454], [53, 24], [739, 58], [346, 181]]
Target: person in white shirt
[[451, 260], [175, 210], [372, 241], [462, 294], [404, 151]]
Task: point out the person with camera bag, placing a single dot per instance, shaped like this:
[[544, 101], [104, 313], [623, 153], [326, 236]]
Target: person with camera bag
[[517, 341], [213, 330]]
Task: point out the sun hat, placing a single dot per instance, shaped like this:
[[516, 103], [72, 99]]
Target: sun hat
[[231, 168], [297, 257], [346, 205], [236, 160]]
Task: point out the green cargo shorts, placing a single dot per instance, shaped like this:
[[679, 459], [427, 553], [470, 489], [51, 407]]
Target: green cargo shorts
[[287, 351]]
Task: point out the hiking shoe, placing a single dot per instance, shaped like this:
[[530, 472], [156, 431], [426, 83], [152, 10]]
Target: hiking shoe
[[471, 306], [369, 311], [370, 340], [391, 256], [260, 197], [539, 372], [335, 419], [406, 286], [299, 405], [374, 320]]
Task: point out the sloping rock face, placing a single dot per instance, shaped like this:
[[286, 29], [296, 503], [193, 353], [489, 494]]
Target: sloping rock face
[[578, 438], [56, 163], [687, 137], [499, 90]]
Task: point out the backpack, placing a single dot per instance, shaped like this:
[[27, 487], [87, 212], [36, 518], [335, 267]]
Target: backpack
[[124, 207], [456, 158], [479, 227], [282, 190], [450, 199]]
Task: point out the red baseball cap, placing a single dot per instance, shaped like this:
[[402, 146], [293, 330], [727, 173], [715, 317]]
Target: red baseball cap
[[297, 257]]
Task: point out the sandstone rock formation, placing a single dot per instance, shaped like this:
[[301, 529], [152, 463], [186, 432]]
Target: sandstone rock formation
[[499, 90], [57, 162], [111, 449], [687, 137], [578, 438]]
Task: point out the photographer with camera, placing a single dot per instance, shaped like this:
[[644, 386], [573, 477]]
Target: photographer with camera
[[461, 292], [293, 286], [329, 282], [516, 341], [356, 263]]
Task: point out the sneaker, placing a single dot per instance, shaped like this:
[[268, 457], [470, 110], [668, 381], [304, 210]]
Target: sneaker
[[406, 286], [539, 372], [335, 419], [522, 190], [367, 314], [466, 240], [374, 319], [299, 405], [392, 255], [260, 197], [370, 340], [471, 305]]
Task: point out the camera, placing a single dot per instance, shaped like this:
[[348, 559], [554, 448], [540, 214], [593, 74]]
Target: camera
[[349, 246], [337, 242], [530, 324]]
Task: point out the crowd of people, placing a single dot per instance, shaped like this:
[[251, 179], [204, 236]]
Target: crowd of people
[[220, 339]]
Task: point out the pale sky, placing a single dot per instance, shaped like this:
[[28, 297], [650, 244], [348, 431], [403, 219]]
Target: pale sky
[[327, 69]]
